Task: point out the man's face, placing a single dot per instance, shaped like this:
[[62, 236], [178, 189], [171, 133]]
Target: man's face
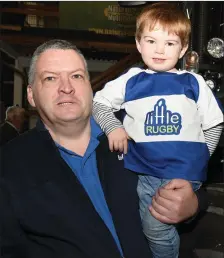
[[61, 91], [160, 50]]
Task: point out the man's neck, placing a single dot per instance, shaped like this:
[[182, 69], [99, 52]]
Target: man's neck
[[72, 136]]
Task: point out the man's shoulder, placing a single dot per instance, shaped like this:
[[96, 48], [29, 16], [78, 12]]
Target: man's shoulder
[[21, 143], [24, 154]]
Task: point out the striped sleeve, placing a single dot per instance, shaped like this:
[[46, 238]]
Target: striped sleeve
[[105, 117], [212, 137]]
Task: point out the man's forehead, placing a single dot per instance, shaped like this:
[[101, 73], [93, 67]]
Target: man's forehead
[[60, 59]]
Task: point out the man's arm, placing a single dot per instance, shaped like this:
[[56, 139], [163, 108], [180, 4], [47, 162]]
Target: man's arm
[[176, 202]]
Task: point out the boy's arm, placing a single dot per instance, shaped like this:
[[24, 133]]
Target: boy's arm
[[105, 117], [113, 128], [212, 137]]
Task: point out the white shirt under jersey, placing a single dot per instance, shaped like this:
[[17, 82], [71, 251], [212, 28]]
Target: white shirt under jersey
[[166, 114]]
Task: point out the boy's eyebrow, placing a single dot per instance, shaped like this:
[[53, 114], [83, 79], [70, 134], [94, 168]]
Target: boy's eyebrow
[[148, 37], [172, 40], [176, 41]]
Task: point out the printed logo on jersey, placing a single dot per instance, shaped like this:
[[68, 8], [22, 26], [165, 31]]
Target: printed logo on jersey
[[162, 121]]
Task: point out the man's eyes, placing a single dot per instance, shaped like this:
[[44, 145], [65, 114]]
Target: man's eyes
[[78, 76], [49, 78], [53, 78]]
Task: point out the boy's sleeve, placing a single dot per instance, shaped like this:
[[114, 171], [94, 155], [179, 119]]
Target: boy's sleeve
[[105, 117], [212, 137], [209, 108], [109, 100], [113, 93]]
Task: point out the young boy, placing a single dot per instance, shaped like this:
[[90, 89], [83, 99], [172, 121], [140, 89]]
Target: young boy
[[172, 117]]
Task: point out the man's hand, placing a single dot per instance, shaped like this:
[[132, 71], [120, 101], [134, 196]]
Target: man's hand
[[174, 202], [118, 140]]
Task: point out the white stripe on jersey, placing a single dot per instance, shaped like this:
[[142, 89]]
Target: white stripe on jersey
[[137, 110]]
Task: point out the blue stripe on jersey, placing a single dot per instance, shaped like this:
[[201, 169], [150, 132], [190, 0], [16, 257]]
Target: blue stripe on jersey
[[162, 83], [168, 160]]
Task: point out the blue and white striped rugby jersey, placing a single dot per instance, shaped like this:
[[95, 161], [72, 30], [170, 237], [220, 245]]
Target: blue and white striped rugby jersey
[[166, 114]]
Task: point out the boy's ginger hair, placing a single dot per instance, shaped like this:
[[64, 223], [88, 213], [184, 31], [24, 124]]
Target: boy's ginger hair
[[169, 16]]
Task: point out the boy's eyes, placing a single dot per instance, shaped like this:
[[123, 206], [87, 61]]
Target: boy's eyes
[[150, 41], [153, 41]]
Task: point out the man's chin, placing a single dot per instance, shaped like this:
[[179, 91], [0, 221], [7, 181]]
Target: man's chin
[[74, 118]]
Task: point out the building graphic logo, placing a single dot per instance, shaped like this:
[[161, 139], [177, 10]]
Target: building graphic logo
[[162, 121]]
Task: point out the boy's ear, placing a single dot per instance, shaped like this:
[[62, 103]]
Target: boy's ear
[[183, 51], [138, 45]]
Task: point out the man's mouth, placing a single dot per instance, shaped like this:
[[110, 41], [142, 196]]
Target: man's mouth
[[64, 103]]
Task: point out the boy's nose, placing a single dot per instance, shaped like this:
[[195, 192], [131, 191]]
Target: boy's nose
[[160, 48]]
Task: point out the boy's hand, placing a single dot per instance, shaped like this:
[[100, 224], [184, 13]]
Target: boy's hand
[[118, 140]]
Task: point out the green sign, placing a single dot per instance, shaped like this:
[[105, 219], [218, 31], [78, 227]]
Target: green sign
[[102, 17]]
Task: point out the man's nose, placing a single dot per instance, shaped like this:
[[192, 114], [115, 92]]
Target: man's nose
[[66, 85]]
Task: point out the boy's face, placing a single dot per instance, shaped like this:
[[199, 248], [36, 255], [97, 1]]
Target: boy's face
[[160, 50]]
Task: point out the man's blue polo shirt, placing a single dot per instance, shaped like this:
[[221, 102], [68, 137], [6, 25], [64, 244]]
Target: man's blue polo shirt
[[85, 168]]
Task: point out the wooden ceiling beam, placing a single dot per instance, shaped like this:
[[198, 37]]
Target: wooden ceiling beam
[[30, 10], [51, 6], [10, 27]]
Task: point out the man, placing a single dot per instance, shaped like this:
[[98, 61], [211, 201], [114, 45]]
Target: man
[[15, 117], [64, 194]]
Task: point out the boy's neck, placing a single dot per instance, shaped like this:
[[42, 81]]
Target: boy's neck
[[174, 70]]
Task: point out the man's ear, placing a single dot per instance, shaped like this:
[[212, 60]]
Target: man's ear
[[183, 51], [138, 45], [30, 96]]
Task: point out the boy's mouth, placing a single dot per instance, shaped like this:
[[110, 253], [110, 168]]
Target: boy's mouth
[[158, 60]]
